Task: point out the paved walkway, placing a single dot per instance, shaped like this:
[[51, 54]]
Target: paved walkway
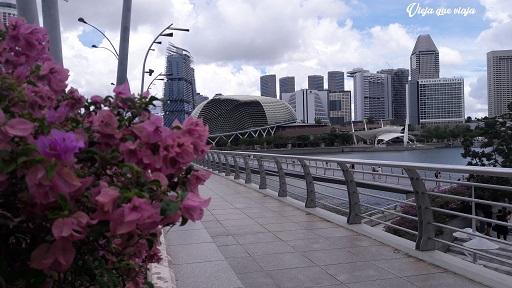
[[250, 239]]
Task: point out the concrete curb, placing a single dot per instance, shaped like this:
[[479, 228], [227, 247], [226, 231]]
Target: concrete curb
[[161, 274]]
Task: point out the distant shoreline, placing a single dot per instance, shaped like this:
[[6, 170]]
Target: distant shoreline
[[343, 149]]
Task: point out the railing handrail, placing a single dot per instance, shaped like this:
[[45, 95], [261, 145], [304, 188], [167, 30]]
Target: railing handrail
[[487, 171]]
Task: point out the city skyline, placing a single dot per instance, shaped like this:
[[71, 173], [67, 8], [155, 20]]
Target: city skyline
[[236, 42]]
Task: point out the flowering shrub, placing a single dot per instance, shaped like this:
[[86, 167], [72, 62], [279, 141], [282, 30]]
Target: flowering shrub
[[86, 185], [435, 201]]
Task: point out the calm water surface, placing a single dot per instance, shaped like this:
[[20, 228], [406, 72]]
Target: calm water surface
[[449, 156]]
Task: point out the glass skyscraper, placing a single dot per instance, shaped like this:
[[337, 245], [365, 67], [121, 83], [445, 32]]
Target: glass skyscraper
[[268, 86], [180, 85], [335, 81], [424, 59], [499, 81], [316, 82], [399, 79], [286, 85]]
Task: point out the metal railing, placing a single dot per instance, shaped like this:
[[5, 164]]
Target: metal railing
[[403, 191]]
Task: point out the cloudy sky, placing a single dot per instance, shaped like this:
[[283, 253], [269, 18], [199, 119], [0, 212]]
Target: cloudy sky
[[234, 42]]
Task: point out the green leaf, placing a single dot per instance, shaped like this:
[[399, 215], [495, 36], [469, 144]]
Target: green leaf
[[168, 207], [155, 182], [149, 284], [50, 170], [9, 167], [183, 221], [27, 150], [63, 202]]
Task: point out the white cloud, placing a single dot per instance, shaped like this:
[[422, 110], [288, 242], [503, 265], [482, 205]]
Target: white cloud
[[497, 11], [449, 57]]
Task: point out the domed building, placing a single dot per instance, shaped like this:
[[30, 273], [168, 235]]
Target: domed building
[[234, 114]]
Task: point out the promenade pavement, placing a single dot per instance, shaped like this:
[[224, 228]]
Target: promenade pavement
[[249, 238]]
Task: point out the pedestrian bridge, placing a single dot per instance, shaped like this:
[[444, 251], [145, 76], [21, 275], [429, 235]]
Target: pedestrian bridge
[[293, 221]]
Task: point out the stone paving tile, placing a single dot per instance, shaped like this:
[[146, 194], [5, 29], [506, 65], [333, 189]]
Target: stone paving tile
[[217, 231], [267, 248], [216, 274], [256, 280], [272, 220], [441, 280], [311, 244], [282, 226], [295, 235], [255, 238], [357, 272], [233, 216], [210, 224], [383, 283], [244, 265], [304, 218], [408, 266], [233, 251], [302, 277], [332, 232], [318, 224], [217, 212], [332, 256], [354, 241], [238, 222], [260, 214], [193, 253], [188, 236], [246, 229], [224, 240], [283, 261], [294, 212], [377, 252]]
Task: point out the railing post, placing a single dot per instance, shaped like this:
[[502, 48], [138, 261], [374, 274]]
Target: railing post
[[283, 190], [209, 162], [354, 207], [247, 169], [228, 167], [219, 163], [263, 178], [310, 185], [237, 170], [426, 232]]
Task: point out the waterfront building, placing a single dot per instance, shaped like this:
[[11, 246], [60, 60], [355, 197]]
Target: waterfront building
[[499, 81], [316, 82], [268, 85], [310, 106], [439, 101], [180, 86], [286, 85], [340, 109], [372, 95], [424, 59], [399, 79], [335, 81], [200, 99], [8, 9]]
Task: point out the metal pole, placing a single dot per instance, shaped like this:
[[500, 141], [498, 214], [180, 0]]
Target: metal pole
[[124, 43], [51, 22], [28, 9], [146, 57]]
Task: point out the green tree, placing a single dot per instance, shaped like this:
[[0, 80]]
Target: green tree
[[318, 121], [493, 152]]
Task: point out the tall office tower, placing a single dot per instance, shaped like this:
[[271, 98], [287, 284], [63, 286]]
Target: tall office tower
[[8, 9], [180, 86], [340, 108], [439, 101], [268, 86], [424, 59], [399, 79], [286, 85], [200, 98], [309, 105], [316, 82], [372, 95], [335, 81], [499, 81]]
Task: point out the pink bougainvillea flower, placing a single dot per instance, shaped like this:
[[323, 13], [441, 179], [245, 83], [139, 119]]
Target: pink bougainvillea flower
[[57, 256], [106, 199], [60, 146], [193, 205], [150, 130], [73, 228], [198, 177], [123, 90], [106, 122], [56, 76], [19, 127]]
